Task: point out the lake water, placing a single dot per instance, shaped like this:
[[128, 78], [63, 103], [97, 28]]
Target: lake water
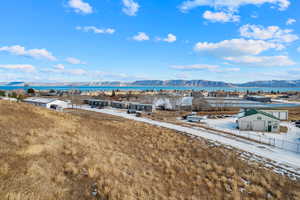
[[109, 88]]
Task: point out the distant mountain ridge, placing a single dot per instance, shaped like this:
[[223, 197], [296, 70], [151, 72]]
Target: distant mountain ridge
[[273, 83], [187, 83], [198, 83]]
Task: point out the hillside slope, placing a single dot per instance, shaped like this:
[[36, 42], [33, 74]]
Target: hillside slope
[[46, 155]]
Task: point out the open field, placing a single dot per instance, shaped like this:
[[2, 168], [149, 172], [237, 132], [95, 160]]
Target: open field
[[294, 113], [46, 155]]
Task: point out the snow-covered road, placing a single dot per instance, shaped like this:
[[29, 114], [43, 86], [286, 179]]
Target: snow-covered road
[[284, 159]]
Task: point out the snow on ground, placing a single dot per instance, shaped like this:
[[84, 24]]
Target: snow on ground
[[289, 141], [285, 101], [284, 159]]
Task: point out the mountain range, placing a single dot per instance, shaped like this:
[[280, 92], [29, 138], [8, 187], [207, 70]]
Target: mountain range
[[195, 83]]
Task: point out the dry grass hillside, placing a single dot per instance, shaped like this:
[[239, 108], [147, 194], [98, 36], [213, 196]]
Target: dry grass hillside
[[45, 155]]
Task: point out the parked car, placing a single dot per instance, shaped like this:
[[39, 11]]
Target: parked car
[[184, 117], [297, 124], [138, 114], [194, 118]]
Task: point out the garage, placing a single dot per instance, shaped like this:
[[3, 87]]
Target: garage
[[258, 125], [257, 120]]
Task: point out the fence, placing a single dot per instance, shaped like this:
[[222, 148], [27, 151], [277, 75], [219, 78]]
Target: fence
[[279, 143]]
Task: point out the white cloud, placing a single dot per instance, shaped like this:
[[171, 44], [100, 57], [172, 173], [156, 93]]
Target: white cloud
[[27, 68], [254, 16], [80, 6], [59, 67], [222, 17], [141, 36], [76, 71], [96, 30], [74, 61], [233, 69], [108, 76], [231, 4], [272, 33], [34, 53], [200, 67], [182, 75], [195, 67], [130, 7], [236, 47], [298, 49], [262, 61], [290, 21], [171, 38]]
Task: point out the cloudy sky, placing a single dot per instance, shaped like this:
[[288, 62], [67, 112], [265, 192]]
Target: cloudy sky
[[126, 40]]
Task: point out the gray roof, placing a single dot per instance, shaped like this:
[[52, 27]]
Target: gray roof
[[39, 100]]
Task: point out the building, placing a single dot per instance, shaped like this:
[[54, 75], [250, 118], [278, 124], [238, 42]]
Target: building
[[280, 114], [257, 120], [97, 103], [168, 102], [141, 107], [262, 99], [47, 103], [8, 99], [119, 104], [223, 94]]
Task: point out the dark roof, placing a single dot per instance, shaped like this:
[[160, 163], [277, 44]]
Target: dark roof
[[253, 112]]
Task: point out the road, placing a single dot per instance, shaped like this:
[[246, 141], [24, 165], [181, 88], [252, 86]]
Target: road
[[288, 161]]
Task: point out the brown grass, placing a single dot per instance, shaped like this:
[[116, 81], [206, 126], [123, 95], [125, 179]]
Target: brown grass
[[283, 129], [45, 155]]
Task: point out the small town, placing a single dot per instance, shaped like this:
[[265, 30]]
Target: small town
[[261, 127], [150, 100], [271, 118]]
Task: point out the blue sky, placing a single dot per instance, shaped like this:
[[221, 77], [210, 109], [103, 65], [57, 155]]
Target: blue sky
[[127, 40]]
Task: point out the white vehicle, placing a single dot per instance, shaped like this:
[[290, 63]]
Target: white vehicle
[[194, 118]]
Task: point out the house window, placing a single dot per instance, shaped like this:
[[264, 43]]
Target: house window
[[259, 118]]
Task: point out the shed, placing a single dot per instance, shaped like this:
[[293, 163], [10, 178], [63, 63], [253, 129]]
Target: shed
[[257, 120]]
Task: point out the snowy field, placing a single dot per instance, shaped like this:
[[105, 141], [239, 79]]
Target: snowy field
[[289, 141], [285, 161]]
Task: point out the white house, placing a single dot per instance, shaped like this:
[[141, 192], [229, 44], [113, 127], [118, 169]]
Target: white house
[[257, 120], [47, 103]]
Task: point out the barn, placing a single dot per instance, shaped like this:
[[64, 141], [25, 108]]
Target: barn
[[47, 103], [257, 120]]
